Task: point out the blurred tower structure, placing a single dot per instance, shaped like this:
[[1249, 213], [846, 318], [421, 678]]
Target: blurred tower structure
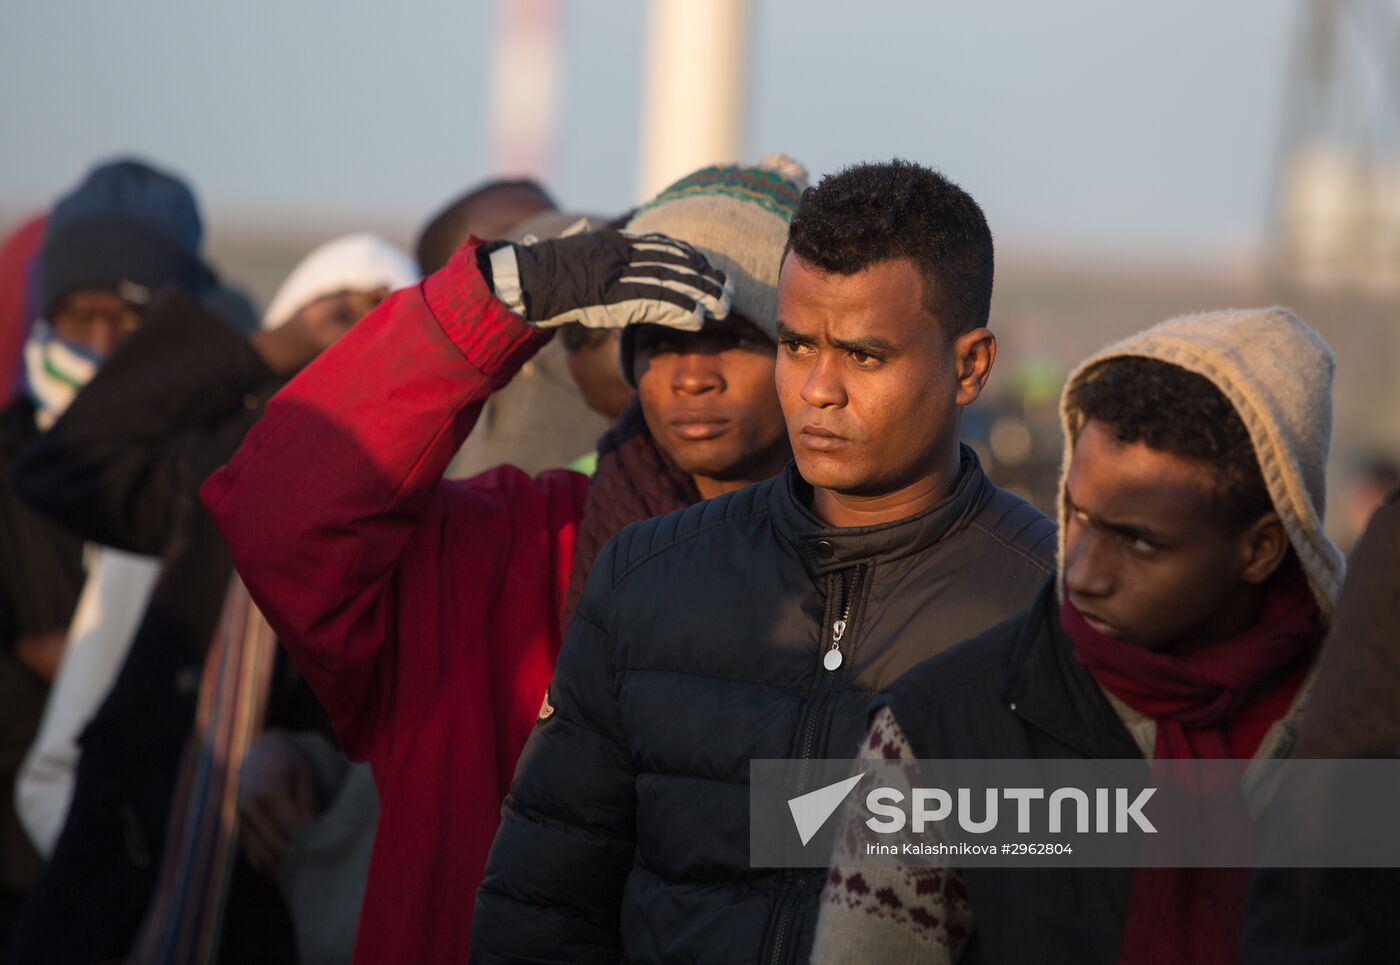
[[525, 78], [1337, 199], [1335, 236], [693, 89]]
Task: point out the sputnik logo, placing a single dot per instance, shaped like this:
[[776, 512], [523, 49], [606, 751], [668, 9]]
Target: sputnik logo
[[811, 810]]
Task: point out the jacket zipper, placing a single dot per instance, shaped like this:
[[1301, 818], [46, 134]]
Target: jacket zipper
[[833, 658], [831, 662]]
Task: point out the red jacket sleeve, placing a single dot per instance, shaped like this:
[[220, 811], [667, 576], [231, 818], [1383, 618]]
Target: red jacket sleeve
[[336, 513]]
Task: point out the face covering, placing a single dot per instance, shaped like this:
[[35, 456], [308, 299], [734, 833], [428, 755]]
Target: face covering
[[55, 369]]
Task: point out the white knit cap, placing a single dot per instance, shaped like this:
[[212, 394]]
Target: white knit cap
[[359, 262], [1277, 374]]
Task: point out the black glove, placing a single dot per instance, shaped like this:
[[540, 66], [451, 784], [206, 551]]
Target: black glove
[[607, 279]]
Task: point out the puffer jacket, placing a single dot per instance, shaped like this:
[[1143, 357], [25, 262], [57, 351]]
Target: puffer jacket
[[698, 646]]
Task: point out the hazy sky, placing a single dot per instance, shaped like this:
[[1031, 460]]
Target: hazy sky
[[1086, 125]]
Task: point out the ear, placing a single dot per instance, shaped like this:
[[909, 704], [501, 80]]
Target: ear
[[1263, 547], [974, 353]]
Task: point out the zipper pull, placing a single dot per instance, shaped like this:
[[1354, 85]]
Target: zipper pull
[[832, 659]]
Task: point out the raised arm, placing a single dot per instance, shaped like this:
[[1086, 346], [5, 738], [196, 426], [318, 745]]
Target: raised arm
[[334, 508], [320, 502]]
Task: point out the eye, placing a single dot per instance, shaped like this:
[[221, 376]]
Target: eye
[[1141, 547], [795, 349], [863, 360]]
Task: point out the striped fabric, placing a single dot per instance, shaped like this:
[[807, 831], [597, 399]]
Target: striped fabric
[[771, 189], [55, 370], [186, 914]]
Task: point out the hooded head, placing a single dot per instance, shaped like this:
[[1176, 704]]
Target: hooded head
[[1255, 380], [128, 229], [356, 263]]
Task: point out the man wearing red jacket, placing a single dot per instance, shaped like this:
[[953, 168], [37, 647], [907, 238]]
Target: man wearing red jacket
[[427, 614]]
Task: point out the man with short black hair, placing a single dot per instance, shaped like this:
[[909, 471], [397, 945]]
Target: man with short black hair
[[888, 278], [1195, 582], [758, 624]]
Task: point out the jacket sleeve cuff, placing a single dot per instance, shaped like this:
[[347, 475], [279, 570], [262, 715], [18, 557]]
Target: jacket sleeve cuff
[[495, 341], [505, 279]]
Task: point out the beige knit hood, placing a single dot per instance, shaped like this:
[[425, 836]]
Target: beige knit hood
[[1277, 373]]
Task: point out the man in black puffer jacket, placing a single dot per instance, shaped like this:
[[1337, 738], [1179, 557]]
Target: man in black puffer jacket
[[758, 624]]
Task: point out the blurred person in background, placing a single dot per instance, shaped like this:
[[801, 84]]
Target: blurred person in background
[[426, 613], [1336, 915], [562, 400], [1372, 480], [21, 691], [114, 596], [18, 262], [145, 836], [307, 815], [125, 233], [489, 211], [1195, 583]]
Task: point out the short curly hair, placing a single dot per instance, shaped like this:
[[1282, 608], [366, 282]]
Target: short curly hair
[[874, 212], [1170, 409]]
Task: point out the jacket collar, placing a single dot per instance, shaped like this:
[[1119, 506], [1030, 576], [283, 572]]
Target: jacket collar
[[1046, 687], [824, 549]]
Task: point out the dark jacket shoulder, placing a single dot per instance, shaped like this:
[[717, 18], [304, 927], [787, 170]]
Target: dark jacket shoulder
[[639, 542], [973, 670], [1020, 528]]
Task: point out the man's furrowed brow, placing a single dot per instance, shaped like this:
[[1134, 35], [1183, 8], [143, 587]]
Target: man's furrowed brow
[[1129, 530], [788, 334], [866, 345]]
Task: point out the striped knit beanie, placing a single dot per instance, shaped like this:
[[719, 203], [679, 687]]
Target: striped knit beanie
[[738, 217]]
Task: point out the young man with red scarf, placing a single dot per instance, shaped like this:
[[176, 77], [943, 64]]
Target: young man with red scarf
[[1194, 586]]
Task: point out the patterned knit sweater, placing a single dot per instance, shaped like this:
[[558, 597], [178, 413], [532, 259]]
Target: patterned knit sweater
[[921, 916], [915, 916]]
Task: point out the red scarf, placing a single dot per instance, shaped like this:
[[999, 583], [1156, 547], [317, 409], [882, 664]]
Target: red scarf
[[1216, 701], [636, 480]]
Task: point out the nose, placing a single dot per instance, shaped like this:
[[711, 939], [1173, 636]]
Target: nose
[[1088, 566], [823, 388], [697, 373], [102, 336]]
